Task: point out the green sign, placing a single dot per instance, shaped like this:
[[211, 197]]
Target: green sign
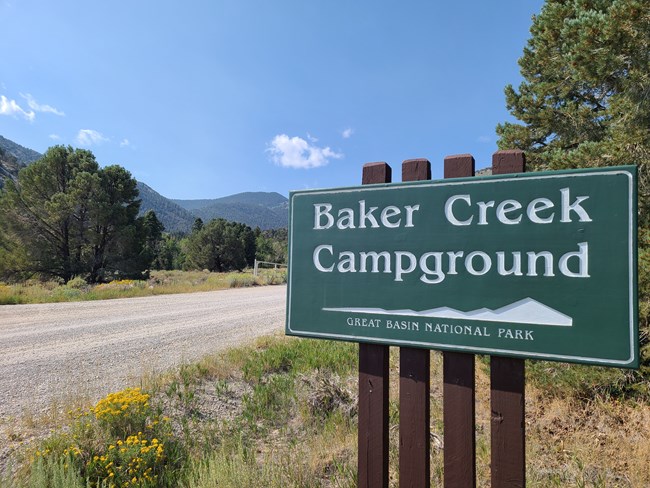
[[538, 265]]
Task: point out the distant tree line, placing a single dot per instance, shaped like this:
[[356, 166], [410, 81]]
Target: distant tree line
[[220, 245], [66, 217]]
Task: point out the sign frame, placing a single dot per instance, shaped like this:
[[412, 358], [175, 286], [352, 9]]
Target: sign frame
[[632, 305]]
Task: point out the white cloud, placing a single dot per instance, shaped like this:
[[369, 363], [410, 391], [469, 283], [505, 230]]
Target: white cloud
[[295, 152], [55, 137], [11, 107], [89, 137], [484, 139], [347, 133], [37, 107], [125, 142]]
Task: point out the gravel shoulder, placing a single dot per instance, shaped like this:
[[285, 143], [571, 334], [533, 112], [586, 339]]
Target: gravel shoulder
[[50, 353]]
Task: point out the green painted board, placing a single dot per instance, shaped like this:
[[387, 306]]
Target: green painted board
[[536, 265]]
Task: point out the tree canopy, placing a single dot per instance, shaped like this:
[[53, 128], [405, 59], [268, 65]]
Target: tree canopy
[[67, 217], [585, 102], [585, 97], [220, 245]]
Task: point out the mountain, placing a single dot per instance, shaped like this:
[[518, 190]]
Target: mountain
[[266, 199], [266, 210], [22, 154], [13, 158], [9, 167], [174, 217]]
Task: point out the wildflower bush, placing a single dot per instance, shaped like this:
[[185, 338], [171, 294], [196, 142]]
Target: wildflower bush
[[119, 442], [124, 412], [134, 461]]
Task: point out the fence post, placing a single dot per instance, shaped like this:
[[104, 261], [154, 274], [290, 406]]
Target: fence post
[[507, 385], [372, 468], [458, 386], [255, 268]]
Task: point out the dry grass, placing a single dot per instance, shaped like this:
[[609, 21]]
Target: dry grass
[[282, 413], [570, 441], [160, 283], [597, 443]]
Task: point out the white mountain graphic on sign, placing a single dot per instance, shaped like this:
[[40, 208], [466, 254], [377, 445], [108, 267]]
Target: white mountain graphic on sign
[[526, 311]]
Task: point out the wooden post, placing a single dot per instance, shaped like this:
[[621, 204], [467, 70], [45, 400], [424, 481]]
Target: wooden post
[[373, 388], [507, 386], [414, 387], [458, 387]]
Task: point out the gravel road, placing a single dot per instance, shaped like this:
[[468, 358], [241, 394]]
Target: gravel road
[[51, 352]]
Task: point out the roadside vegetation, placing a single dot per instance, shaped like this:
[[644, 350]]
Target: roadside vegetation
[[282, 413], [67, 220], [159, 283]]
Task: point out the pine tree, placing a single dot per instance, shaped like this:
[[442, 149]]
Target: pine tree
[[67, 217], [585, 102], [220, 245], [585, 98]]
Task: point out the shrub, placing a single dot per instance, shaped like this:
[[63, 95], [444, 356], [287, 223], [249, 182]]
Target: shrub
[[123, 413], [121, 441], [134, 461], [241, 281], [77, 283], [274, 277]]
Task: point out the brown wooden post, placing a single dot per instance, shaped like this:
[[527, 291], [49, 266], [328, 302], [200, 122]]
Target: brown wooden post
[[458, 387], [414, 387], [507, 385], [373, 388]]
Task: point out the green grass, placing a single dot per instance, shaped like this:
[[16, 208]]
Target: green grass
[[52, 473], [588, 383], [282, 413], [278, 379], [160, 283]]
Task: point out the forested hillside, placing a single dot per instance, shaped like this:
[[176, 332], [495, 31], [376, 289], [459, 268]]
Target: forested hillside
[[172, 216], [9, 167], [266, 210], [22, 154], [13, 157]]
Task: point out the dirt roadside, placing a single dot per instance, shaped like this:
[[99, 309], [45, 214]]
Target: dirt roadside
[[52, 352]]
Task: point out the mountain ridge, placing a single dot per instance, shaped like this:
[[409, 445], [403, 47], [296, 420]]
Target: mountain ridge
[[22, 154], [266, 210]]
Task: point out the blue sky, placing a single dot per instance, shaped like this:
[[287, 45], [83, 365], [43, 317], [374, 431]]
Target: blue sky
[[204, 99]]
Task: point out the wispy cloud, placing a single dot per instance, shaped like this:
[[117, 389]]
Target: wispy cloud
[[54, 137], [89, 137], [125, 142], [295, 152], [37, 107], [484, 139], [11, 107], [347, 133]]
